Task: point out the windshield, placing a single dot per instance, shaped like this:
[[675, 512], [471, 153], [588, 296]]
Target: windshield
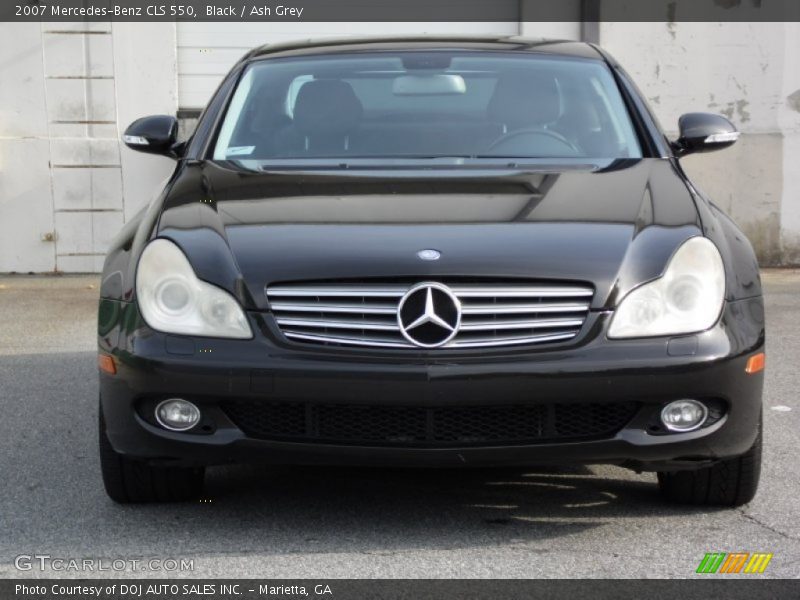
[[433, 104]]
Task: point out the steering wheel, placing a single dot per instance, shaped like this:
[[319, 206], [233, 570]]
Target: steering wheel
[[533, 131]]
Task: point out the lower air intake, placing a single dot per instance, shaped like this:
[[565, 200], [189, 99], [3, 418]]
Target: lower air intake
[[428, 426]]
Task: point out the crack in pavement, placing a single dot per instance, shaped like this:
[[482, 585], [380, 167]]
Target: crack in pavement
[[766, 526]]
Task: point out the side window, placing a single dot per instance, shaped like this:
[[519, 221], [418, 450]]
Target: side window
[[605, 111], [611, 110], [223, 148], [294, 89]]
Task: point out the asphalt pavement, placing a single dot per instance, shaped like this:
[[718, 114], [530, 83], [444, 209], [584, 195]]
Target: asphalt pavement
[[269, 522]]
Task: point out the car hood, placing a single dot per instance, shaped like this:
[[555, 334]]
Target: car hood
[[613, 224]]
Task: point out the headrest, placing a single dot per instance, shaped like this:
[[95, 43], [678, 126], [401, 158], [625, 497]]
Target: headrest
[[326, 106], [525, 99], [268, 111]]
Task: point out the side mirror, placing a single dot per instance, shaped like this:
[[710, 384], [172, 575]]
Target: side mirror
[[704, 132], [154, 135]]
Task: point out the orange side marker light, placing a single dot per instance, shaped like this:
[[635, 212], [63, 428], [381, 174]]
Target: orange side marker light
[[107, 364], [755, 363]]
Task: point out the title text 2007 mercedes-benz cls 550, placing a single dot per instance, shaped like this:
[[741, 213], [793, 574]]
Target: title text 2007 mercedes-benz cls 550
[[439, 252]]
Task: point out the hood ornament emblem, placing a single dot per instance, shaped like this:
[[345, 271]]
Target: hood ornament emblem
[[429, 315], [429, 254]]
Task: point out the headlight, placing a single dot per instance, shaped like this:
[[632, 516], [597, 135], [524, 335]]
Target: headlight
[[687, 298], [173, 300]]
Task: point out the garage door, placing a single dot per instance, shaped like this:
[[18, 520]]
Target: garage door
[[206, 51]]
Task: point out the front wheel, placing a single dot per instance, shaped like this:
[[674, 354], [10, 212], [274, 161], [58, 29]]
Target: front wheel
[[128, 480], [730, 482]]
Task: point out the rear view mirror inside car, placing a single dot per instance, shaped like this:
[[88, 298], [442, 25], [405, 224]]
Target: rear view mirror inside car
[[438, 84]]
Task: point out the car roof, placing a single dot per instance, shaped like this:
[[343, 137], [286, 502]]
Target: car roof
[[426, 42]]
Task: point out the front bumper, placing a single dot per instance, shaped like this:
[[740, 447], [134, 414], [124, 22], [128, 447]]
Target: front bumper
[[153, 366]]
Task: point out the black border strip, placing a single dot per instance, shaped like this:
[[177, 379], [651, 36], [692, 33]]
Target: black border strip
[[585, 11], [743, 587]]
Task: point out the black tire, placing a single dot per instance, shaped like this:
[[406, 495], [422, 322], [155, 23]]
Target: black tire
[[730, 482], [131, 481]]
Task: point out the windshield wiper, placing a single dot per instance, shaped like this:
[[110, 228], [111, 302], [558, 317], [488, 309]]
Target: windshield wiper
[[421, 161]]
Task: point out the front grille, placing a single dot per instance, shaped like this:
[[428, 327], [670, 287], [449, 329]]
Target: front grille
[[492, 314], [428, 426]]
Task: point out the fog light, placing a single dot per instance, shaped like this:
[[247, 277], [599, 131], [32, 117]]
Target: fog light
[[177, 415], [684, 415]]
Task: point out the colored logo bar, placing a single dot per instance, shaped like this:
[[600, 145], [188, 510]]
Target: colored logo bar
[[734, 562]]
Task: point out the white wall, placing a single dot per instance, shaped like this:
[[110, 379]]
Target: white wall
[[207, 51], [69, 90], [789, 125], [146, 84], [26, 201], [746, 71], [566, 30]]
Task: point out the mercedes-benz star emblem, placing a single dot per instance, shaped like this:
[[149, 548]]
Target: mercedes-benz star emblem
[[429, 254], [429, 315]]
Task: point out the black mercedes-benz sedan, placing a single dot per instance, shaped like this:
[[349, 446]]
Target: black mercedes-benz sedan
[[438, 252]]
